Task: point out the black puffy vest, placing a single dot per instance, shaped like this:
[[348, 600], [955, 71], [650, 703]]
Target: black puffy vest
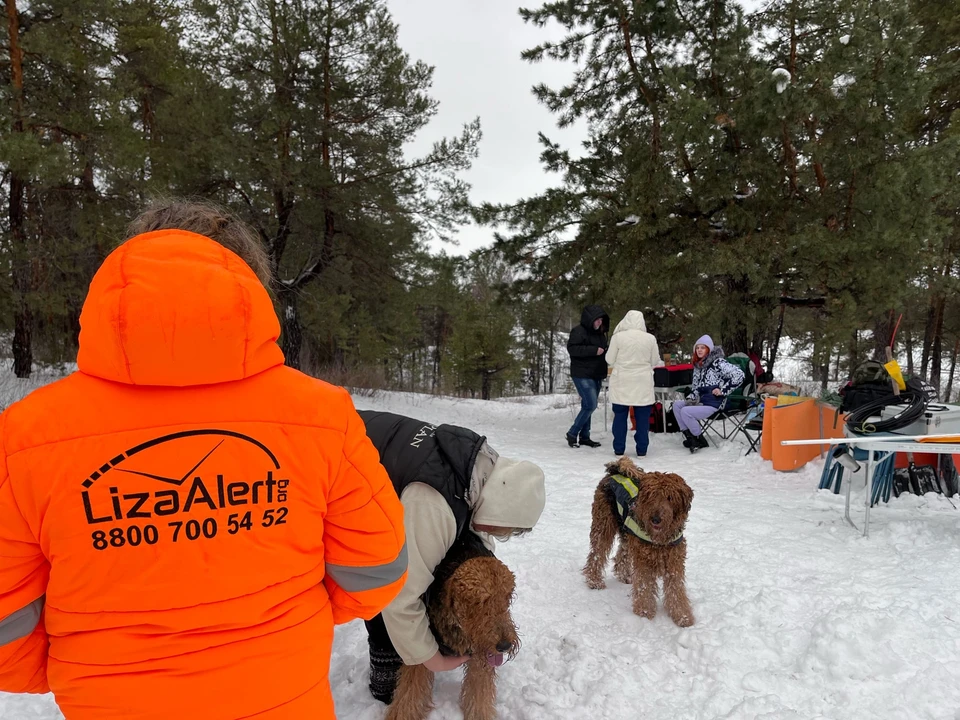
[[441, 456]]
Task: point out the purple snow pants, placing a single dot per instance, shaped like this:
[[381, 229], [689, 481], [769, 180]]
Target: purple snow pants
[[688, 416]]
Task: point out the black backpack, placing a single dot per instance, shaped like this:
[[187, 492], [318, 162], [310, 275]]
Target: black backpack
[[656, 420], [870, 381]]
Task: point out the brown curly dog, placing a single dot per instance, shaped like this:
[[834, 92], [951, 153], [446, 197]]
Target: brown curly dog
[[469, 609], [652, 545]]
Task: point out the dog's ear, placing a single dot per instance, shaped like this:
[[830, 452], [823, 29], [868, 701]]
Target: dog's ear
[[686, 495], [612, 468]]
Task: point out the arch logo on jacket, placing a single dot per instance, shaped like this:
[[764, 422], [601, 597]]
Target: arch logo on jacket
[[184, 519]]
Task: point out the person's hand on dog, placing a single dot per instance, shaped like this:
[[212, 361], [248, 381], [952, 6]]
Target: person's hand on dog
[[441, 663]]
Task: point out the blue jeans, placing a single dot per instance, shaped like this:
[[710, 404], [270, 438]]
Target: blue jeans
[[642, 434], [589, 391]]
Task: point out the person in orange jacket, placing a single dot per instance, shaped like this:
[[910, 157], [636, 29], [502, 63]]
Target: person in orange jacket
[[184, 519]]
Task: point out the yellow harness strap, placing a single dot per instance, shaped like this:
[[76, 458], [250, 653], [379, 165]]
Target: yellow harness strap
[[631, 489]]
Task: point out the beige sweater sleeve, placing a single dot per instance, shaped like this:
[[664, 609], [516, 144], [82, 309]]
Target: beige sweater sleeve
[[431, 530]]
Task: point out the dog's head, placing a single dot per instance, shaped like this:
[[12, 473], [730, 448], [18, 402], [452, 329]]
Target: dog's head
[[476, 610], [662, 505], [624, 466]]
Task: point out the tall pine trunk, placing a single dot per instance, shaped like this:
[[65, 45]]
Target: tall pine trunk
[[933, 331], [936, 360], [22, 284], [292, 337], [435, 368], [853, 351], [550, 355], [820, 363], [908, 346], [775, 345], [883, 334], [953, 366], [291, 332]]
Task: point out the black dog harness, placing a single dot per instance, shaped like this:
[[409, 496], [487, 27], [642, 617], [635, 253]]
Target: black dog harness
[[624, 496]]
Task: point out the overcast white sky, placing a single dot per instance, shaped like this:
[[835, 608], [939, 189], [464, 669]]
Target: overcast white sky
[[475, 46]]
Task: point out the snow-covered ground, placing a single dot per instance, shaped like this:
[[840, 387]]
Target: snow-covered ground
[[798, 616]]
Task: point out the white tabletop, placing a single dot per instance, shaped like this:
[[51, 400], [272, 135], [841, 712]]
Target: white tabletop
[[894, 445]]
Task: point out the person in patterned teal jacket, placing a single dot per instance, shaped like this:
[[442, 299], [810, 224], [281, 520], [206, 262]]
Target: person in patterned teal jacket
[[713, 379]]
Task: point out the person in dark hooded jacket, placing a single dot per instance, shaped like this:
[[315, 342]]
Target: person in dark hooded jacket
[[588, 368]]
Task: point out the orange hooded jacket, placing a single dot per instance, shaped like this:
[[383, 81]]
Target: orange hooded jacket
[[184, 519]]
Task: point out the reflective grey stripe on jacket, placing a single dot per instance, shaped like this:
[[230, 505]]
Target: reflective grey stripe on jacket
[[357, 579], [21, 623]]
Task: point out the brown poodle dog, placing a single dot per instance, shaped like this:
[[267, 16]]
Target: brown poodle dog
[[469, 609], [652, 545]]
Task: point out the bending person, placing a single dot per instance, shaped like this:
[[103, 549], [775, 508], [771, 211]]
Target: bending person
[[450, 482]]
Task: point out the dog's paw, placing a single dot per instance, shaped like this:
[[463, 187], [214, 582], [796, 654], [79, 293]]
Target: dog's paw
[[682, 616], [596, 583], [645, 609], [625, 577]]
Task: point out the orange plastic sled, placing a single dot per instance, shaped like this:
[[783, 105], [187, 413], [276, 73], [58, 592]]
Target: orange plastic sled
[[803, 419]]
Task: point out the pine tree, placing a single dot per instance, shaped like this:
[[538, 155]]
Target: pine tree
[[103, 88], [481, 356], [19, 170], [325, 100], [657, 197], [723, 185]]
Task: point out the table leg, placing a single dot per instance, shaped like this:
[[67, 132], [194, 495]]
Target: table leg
[[605, 396], [846, 510], [869, 492]]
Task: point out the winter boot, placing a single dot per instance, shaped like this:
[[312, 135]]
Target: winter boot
[[384, 672], [588, 442], [702, 441], [688, 438], [572, 441]]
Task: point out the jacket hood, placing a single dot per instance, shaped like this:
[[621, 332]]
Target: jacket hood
[[173, 308], [633, 320], [590, 314], [512, 497]]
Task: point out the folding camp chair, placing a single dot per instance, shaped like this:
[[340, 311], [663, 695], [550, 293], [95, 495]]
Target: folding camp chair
[[883, 474], [736, 409], [753, 423]]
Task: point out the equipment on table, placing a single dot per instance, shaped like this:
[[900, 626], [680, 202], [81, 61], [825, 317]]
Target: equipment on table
[[936, 419]]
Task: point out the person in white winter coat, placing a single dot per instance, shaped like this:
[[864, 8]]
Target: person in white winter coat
[[633, 353]]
